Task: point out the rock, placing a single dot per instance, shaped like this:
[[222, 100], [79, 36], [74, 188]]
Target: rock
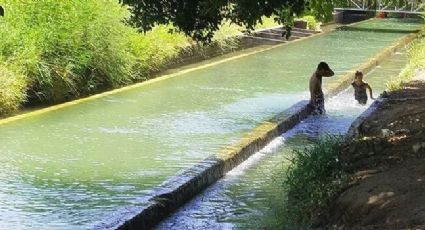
[[402, 131], [366, 138], [416, 147], [384, 94], [385, 132]]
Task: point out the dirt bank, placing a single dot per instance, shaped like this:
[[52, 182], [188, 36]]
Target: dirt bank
[[387, 187]]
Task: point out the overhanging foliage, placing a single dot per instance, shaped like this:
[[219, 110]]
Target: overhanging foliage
[[200, 18]]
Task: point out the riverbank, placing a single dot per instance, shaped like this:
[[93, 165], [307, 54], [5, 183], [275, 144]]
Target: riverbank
[[386, 187]]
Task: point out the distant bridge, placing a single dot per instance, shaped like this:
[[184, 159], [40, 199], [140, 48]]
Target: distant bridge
[[409, 6]]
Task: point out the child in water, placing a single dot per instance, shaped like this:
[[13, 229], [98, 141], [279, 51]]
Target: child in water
[[360, 89]]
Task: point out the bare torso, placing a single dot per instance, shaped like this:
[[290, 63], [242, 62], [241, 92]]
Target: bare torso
[[315, 87]]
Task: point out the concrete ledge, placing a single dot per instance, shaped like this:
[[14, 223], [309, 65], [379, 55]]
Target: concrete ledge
[[178, 190], [356, 127]]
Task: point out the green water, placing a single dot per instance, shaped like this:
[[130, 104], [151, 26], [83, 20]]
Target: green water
[[70, 168], [251, 196]]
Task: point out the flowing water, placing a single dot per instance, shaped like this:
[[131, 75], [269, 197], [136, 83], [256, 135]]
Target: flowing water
[[250, 196], [69, 168]]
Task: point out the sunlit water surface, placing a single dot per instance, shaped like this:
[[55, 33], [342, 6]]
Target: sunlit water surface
[[70, 168]]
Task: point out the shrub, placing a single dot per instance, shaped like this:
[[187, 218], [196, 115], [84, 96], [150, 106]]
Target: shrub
[[65, 48], [12, 90], [154, 49], [311, 22], [416, 60], [315, 176], [60, 50], [267, 22]]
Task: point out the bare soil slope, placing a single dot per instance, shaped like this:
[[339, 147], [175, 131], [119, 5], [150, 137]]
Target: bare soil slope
[[387, 190]]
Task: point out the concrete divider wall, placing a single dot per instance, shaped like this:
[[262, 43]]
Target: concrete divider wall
[[355, 128], [180, 189], [344, 81]]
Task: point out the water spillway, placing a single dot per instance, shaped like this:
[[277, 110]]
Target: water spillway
[[69, 168], [251, 196]]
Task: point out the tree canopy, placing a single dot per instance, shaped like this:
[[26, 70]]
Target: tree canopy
[[200, 18]]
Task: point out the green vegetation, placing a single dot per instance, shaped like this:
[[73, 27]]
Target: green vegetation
[[12, 90], [315, 176], [206, 16], [322, 9], [311, 22], [53, 51], [416, 60], [64, 48], [154, 49]]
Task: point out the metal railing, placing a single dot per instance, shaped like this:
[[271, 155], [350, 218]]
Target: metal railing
[[409, 6]]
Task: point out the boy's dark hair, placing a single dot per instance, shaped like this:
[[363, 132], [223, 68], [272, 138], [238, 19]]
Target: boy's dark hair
[[359, 73], [323, 66], [1, 11]]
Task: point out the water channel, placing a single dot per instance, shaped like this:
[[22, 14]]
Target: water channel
[[69, 168]]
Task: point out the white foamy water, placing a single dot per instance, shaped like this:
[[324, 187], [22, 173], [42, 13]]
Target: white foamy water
[[271, 147]]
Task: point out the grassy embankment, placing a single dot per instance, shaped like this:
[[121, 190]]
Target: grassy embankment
[[55, 51], [416, 60], [321, 171]]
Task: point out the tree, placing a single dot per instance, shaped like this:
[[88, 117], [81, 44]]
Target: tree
[[200, 18]]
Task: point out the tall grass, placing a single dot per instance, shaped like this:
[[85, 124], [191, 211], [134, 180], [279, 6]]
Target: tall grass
[[312, 24], [154, 49], [60, 50], [53, 51], [67, 48], [416, 60], [12, 90], [315, 176]]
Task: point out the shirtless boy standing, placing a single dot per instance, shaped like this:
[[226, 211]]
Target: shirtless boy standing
[[317, 99]]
